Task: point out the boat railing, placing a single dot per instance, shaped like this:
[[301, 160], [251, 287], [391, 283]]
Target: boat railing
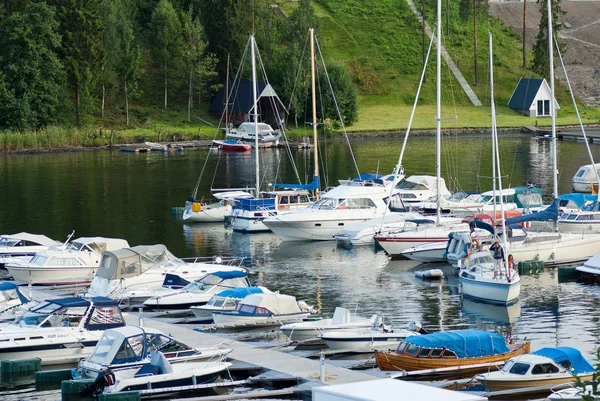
[[215, 260]]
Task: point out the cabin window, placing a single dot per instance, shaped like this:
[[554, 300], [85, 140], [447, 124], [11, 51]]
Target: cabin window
[[544, 368], [401, 348], [408, 196], [246, 308], [107, 315], [507, 366], [218, 302], [64, 262], [284, 200], [125, 352], [294, 200], [519, 368], [230, 303], [412, 186], [156, 341], [412, 349], [448, 354], [425, 352], [137, 344], [262, 311], [173, 346], [571, 217], [39, 260], [304, 199], [436, 353], [359, 203], [584, 217], [580, 173]]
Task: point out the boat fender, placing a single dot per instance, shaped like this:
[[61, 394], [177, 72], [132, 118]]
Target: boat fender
[[196, 207], [106, 378]]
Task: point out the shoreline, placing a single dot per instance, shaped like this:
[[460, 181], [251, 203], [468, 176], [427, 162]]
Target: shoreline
[[206, 143]]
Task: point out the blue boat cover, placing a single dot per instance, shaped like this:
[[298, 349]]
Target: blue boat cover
[[229, 274], [476, 223], [550, 213], [240, 293], [465, 343], [174, 281], [578, 198], [572, 355], [314, 184], [10, 285], [368, 177], [74, 301], [255, 204]]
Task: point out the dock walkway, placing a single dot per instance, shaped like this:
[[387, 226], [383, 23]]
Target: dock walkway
[[563, 133], [275, 360]]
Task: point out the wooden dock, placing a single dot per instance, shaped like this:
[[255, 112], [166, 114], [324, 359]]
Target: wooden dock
[[144, 148], [248, 353], [562, 133]]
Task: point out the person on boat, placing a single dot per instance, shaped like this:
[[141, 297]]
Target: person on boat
[[511, 262], [498, 254]]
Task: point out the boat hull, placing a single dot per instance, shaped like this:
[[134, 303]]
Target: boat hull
[[208, 214], [494, 293], [362, 344], [499, 385], [311, 230], [427, 254], [395, 246], [568, 249], [234, 320], [52, 275]]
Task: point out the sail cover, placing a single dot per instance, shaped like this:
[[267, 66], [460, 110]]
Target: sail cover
[[314, 184], [550, 213]]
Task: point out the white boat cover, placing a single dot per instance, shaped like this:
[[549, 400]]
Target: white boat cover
[[232, 195], [279, 304], [103, 243], [131, 262], [40, 239]]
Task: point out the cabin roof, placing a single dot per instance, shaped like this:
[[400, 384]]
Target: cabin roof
[[562, 354], [240, 292], [40, 239], [465, 343]]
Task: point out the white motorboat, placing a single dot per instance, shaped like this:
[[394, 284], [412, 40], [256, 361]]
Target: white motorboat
[[419, 188], [126, 349], [225, 301], [583, 221], [13, 303], [21, 247], [199, 212], [480, 281], [378, 337], [363, 233], [160, 374], [74, 263], [60, 329], [591, 268], [342, 320], [246, 132], [263, 310], [584, 178], [456, 248], [132, 275], [199, 291], [352, 202], [544, 367], [248, 214]]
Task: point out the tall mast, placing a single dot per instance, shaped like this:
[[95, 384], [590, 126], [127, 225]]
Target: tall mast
[[314, 107], [255, 110], [552, 111], [227, 99], [438, 110]]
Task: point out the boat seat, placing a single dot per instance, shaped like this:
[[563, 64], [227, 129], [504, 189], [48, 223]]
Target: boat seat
[[340, 315], [158, 365]]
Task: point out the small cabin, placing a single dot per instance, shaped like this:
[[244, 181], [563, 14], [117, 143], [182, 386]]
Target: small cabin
[[532, 98]]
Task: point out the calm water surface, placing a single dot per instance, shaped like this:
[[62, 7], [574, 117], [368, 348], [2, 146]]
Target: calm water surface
[[130, 196]]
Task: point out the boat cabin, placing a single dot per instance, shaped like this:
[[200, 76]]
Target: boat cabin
[[275, 200], [229, 299], [97, 313], [268, 304], [83, 251], [547, 361], [584, 178], [417, 188], [26, 239]]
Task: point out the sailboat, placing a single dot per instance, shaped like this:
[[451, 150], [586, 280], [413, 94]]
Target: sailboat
[[248, 214], [482, 279]]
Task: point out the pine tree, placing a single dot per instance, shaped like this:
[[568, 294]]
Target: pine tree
[[541, 60]]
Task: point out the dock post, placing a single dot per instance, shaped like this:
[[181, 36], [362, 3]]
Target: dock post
[[322, 368], [112, 134], [141, 317]]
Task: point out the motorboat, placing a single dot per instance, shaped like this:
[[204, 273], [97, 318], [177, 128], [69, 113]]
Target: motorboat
[[224, 301], [248, 214], [57, 330], [199, 291], [419, 188], [457, 247], [352, 202], [590, 270], [132, 275], [470, 351], [342, 320], [231, 145], [160, 374], [378, 337], [480, 280], [75, 263], [583, 221], [13, 303], [574, 393], [584, 178], [263, 310], [544, 367], [126, 349], [21, 247], [199, 212], [363, 233], [247, 132]]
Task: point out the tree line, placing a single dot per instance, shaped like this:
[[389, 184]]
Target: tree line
[[72, 62]]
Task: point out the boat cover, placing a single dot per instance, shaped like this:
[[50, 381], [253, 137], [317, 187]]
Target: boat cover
[[240, 293], [564, 354], [75, 302], [578, 198], [278, 304], [476, 223], [314, 184], [40, 239], [11, 286], [550, 213], [465, 343], [131, 262], [255, 204]]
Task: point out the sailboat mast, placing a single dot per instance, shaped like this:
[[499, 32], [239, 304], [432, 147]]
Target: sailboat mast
[[227, 99], [496, 156], [255, 110], [552, 111], [314, 107], [438, 110]]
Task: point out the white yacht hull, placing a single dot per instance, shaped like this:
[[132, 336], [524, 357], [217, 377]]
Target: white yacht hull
[[429, 253], [206, 312], [51, 275], [306, 333], [235, 320], [312, 230], [361, 342], [214, 213], [570, 248], [395, 246], [499, 293], [579, 227]]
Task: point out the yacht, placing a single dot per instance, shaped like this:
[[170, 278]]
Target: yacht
[[419, 188], [246, 133], [132, 275], [199, 212], [584, 178], [126, 349], [227, 300], [57, 330], [342, 320], [199, 291], [583, 221], [21, 247], [74, 263], [352, 202]]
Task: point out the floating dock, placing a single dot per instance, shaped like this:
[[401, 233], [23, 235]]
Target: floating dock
[[592, 134]]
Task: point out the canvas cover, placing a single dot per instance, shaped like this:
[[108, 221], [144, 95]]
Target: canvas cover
[[278, 304], [123, 345], [11, 289], [465, 343], [131, 262], [550, 213], [561, 355], [314, 184], [103, 243], [239, 293], [40, 239]]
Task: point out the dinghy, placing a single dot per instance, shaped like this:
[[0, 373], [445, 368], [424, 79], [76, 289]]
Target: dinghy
[[431, 274]]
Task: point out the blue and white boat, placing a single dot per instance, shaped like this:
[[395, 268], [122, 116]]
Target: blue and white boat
[[200, 291], [225, 301], [126, 349], [60, 330]]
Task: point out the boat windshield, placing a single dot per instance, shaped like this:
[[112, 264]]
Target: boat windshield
[[49, 314], [481, 259], [592, 207], [9, 298], [102, 347], [326, 203], [75, 246], [211, 280], [173, 263], [8, 242], [39, 260], [459, 196], [412, 186], [507, 366]]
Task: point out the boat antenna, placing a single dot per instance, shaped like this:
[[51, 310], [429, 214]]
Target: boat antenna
[[68, 239], [314, 108]]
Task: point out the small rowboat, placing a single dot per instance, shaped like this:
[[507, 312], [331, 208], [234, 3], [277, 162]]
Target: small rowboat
[[231, 145]]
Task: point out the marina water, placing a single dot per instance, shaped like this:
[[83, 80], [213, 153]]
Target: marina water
[[130, 196]]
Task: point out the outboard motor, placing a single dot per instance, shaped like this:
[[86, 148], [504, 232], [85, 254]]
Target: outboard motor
[[459, 245], [417, 327]]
